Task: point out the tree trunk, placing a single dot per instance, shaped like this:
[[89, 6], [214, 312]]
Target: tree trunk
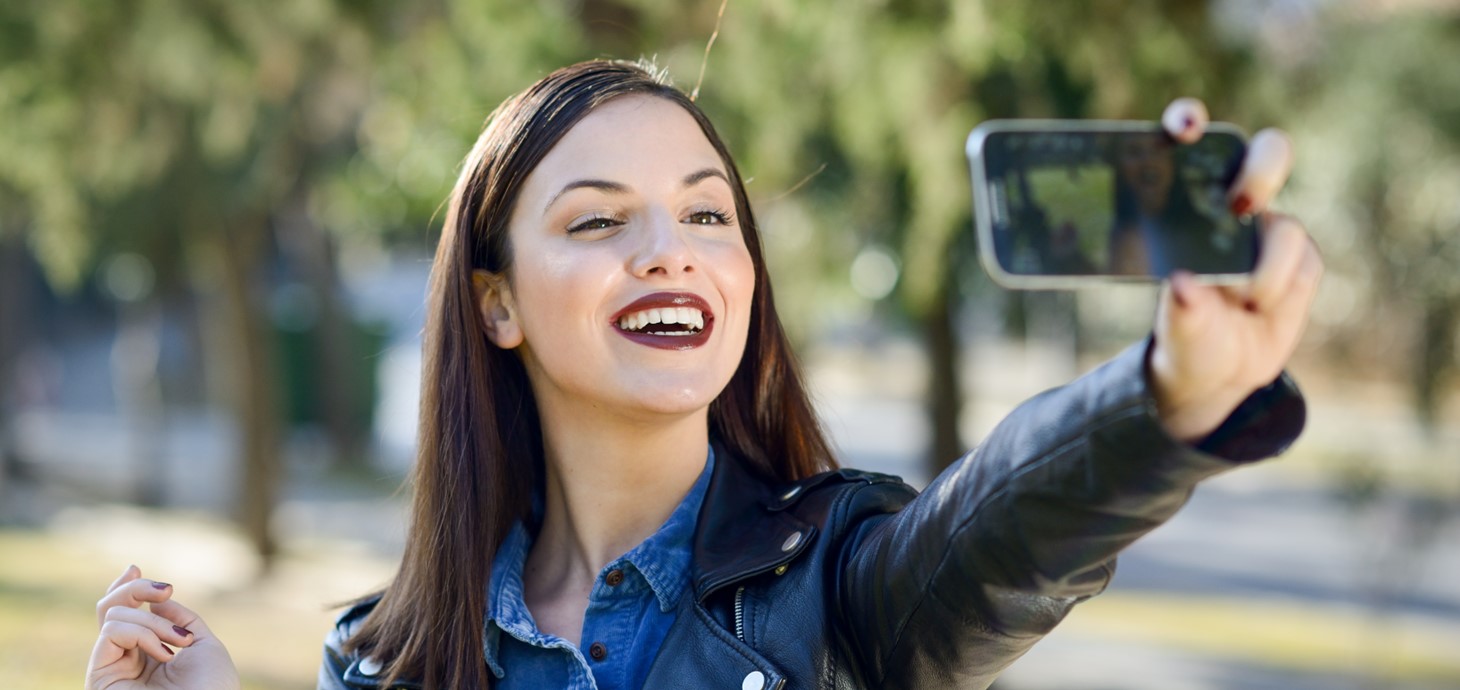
[[335, 350], [254, 399], [135, 382], [1431, 373], [945, 399], [13, 301]]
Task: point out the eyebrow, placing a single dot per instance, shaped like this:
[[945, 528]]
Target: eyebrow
[[610, 187]]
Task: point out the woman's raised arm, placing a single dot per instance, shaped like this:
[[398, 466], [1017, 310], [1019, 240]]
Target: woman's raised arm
[[970, 574]]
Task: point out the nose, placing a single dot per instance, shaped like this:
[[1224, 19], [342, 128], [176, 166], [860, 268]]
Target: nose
[[662, 249]]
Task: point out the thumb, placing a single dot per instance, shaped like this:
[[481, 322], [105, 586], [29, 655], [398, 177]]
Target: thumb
[[1187, 306]]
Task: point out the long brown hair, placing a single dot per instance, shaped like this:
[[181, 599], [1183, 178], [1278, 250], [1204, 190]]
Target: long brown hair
[[480, 444]]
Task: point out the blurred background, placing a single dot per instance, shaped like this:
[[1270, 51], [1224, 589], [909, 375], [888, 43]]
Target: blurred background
[[216, 221]]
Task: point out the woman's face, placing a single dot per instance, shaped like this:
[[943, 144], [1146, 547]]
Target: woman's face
[[1146, 165], [630, 285]]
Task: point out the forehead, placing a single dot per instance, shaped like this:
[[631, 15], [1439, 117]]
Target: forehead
[[631, 137]]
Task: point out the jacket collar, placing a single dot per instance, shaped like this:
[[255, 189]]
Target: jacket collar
[[742, 528]]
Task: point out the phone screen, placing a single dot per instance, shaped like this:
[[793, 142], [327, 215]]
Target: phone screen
[[1112, 203]]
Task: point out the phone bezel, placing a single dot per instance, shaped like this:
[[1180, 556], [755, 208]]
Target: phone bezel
[[983, 222]]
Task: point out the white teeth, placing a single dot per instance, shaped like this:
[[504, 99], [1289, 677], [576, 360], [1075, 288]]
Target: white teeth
[[688, 316]]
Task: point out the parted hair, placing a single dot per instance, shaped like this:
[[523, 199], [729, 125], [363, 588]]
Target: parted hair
[[480, 454]]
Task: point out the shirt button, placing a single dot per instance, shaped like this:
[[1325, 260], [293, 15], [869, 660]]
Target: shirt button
[[598, 651], [755, 680], [614, 578]]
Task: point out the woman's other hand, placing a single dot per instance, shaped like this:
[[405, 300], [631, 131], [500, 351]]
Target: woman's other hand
[[1216, 344], [134, 650]]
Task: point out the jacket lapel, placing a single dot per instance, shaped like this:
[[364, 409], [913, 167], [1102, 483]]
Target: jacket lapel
[[739, 534]]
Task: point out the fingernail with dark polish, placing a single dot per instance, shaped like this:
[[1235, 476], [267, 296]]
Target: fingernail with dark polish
[[169, 649], [160, 585], [181, 630], [1242, 204]]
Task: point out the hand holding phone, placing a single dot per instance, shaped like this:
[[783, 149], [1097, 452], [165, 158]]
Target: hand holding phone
[[1215, 344]]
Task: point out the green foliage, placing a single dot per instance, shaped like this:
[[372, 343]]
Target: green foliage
[[135, 125], [1377, 122]]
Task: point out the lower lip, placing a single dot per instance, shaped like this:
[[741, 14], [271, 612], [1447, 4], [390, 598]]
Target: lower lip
[[670, 342]]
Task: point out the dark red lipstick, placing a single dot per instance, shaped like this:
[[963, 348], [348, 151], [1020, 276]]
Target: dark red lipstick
[[667, 300]]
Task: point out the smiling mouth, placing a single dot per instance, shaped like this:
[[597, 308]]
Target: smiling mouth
[[668, 321]]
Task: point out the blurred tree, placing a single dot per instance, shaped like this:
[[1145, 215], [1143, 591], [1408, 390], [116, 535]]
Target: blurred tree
[[141, 125], [211, 137], [1383, 202]]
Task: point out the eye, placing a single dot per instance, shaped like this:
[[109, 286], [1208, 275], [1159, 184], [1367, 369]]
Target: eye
[[711, 217], [594, 223]]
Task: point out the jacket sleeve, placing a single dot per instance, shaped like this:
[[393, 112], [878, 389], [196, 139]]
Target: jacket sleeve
[[951, 589]]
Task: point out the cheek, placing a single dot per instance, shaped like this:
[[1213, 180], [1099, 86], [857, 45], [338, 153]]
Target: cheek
[[556, 293], [739, 280]]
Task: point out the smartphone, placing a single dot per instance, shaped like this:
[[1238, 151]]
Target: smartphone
[[1061, 204]]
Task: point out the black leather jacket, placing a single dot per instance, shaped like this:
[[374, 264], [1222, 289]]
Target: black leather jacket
[[853, 580]]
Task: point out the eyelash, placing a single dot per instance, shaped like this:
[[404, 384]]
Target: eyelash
[[721, 217], [588, 224]]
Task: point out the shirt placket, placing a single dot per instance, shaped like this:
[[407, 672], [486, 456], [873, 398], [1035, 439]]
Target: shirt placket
[[611, 623]]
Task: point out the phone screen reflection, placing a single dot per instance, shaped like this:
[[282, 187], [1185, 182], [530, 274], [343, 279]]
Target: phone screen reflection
[[1115, 203]]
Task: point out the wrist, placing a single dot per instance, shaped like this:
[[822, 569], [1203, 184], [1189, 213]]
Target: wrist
[[1187, 412]]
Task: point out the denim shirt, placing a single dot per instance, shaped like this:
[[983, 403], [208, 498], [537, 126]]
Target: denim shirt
[[630, 609]]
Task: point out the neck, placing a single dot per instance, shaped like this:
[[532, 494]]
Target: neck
[[610, 484]]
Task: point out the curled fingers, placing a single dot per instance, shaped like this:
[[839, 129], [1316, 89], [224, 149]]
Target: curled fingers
[[164, 629], [1286, 250]]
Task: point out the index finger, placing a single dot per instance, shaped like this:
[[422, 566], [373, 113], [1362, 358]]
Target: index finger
[[1264, 172], [133, 594]]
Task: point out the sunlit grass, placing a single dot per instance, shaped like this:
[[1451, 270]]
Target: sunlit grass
[[1278, 633]]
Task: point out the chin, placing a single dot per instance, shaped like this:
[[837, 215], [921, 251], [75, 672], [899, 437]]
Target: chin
[[673, 398]]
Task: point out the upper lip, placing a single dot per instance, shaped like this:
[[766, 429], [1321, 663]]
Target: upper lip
[[662, 300]]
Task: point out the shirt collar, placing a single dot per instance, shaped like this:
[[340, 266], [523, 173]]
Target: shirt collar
[[663, 559]]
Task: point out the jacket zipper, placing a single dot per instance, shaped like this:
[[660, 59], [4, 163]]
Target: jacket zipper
[[740, 626], [740, 614]]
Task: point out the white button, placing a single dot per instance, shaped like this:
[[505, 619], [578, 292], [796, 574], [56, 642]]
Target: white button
[[755, 680], [792, 541], [791, 494], [369, 666]]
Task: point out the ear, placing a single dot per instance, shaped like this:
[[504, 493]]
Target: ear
[[494, 305]]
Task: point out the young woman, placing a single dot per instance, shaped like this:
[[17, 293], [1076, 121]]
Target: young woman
[[621, 483]]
